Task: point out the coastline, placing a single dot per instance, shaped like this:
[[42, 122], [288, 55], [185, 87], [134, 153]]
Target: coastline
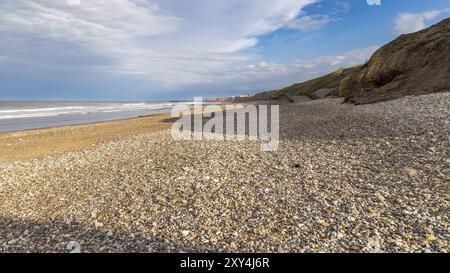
[[31, 144], [35, 143]]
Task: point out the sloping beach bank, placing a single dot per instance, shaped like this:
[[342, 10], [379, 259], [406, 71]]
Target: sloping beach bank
[[345, 178]]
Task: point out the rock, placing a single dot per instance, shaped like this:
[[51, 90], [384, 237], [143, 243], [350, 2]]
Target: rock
[[12, 242], [98, 224], [380, 197], [373, 245], [40, 230], [430, 238], [335, 202], [410, 172], [412, 64], [355, 211], [160, 199], [323, 223], [74, 247]]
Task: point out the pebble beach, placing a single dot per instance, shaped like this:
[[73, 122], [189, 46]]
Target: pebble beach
[[345, 178]]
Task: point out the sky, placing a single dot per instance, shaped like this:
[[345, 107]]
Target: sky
[[178, 49]]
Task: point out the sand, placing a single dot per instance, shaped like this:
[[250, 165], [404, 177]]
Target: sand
[[32, 144], [368, 178]]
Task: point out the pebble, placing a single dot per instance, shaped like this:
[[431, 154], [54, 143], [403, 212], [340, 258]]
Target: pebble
[[326, 189], [74, 247], [410, 172]]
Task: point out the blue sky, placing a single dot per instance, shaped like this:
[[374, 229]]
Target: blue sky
[[177, 49]]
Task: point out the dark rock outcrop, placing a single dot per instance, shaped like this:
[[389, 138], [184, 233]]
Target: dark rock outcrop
[[413, 64]]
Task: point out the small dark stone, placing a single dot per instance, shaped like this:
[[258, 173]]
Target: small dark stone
[[40, 230]]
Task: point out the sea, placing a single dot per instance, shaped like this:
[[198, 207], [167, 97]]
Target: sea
[[23, 115]]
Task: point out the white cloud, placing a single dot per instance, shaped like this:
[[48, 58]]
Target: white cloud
[[344, 6], [94, 21], [304, 69], [412, 22], [374, 2], [311, 22], [168, 43]]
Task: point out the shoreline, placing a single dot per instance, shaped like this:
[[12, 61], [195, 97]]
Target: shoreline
[[29, 144], [34, 143]]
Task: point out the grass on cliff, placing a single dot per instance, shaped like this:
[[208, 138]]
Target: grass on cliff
[[331, 80]]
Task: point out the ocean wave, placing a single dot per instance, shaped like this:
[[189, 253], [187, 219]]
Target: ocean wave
[[34, 112], [41, 109]]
